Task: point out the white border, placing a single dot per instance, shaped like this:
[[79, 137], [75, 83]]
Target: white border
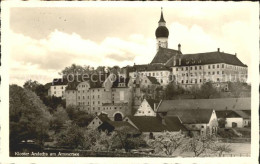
[[4, 152]]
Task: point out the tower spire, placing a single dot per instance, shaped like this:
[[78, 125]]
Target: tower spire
[[161, 19]]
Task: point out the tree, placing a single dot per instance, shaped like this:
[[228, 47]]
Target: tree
[[222, 122], [198, 145], [172, 89], [207, 90], [124, 139], [166, 143], [220, 148], [75, 70], [79, 117], [29, 117], [236, 88], [104, 142], [59, 119], [72, 136]]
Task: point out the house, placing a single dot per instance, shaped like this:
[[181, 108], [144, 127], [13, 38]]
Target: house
[[121, 126], [234, 118], [202, 121], [97, 121], [147, 108], [153, 126], [57, 88]]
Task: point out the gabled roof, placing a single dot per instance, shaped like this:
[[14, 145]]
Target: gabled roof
[[209, 58], [173, 123], [119, 126], [164, 54], [148, 123], [148, 67], [153, 80], [151, 102], [192, 116], [223, 113], [242, 114], [216, 104], [103, 117]]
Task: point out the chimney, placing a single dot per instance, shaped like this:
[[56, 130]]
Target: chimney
[[179, 47], [218, 49], [235, 54]]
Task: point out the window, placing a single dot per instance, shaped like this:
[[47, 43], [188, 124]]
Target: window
[[161, 80], [54, 92], [79, 97], [187, 68], [93, 96], [190, 68], [98, 96], [176, 69], [182, 68], [209, 67], [83, 97], [93, 102], [222, 65], [217, 66], [202, 126], [54, 87], [61, 87], [213, 66], [182, 81], [217, 72], [209, 73], [195, 81], [200, 80], [222, 72], [195, 67], [213, 73], [98, 102], [187, 81]]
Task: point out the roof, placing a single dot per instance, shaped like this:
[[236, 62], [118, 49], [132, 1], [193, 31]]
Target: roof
[[119, 126], [173, 123], [223, 113], [216, 104], [209, 58], [103, 117], [161, 18], [95, 80], [243, 114], [148, 123], [162, 31], [164, 54], [60, 81], [153, 80], [151, 102], [149, 67], [192, 116]]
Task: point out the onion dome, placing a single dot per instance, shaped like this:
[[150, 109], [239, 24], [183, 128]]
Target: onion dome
[[162, 31]]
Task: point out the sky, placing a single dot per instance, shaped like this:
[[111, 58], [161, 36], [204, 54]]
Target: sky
[[45, 40]]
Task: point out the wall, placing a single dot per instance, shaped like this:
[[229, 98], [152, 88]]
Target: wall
[[57, 90], [145, 110], [95, 123], [239, 122]]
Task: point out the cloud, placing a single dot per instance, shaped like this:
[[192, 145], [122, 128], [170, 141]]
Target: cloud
[[60, 49]]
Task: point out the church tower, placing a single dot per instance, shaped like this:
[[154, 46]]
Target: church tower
[[162, 33]]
